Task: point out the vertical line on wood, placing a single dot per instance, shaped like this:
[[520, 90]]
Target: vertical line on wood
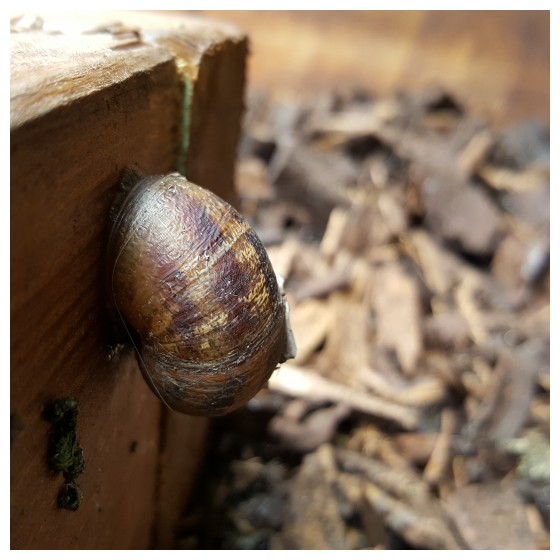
[[185, 125]]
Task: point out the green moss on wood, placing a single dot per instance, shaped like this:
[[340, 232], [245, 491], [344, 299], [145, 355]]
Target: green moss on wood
[[65, 455]]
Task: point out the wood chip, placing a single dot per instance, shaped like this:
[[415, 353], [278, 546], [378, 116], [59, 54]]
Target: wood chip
[[307, 384], [475, 152], [417, 447], [423, 391], [529, 207], [391, 210], [440, 457], [522, 145], [346, 352], [461, 213], [414, 525], [401, 483], [440, 268], [397, 304], [322, 286], [414, 241], [503, 179], [490, 517], [332, 238], [448, 330], [282, 256], [467, 302], [514, 407], [374, 443], [375, 529], [251, 180], [508, 262], [314, 180], [310, 320], [540, 533], [312, 516], [305, 435]]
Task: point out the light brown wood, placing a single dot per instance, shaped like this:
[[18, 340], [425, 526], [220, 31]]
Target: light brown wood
[[82, 108], [497, 62]]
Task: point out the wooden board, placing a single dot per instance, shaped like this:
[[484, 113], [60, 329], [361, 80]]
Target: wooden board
[[83, 106]]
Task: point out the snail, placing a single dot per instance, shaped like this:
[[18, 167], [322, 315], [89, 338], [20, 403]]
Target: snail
[[197, 293]]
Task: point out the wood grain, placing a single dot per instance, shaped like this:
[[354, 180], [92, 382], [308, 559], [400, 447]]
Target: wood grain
[[83, 108], [64, 164], [182, 448]]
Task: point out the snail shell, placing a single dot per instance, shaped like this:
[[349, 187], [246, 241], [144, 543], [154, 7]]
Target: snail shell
[[195, 288]]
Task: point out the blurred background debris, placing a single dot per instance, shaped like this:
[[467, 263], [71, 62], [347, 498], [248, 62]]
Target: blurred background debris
[[412, 229]]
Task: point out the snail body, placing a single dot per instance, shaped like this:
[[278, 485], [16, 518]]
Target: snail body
[[195, 288]]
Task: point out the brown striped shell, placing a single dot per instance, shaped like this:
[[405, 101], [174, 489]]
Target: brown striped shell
[[196, 290]]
